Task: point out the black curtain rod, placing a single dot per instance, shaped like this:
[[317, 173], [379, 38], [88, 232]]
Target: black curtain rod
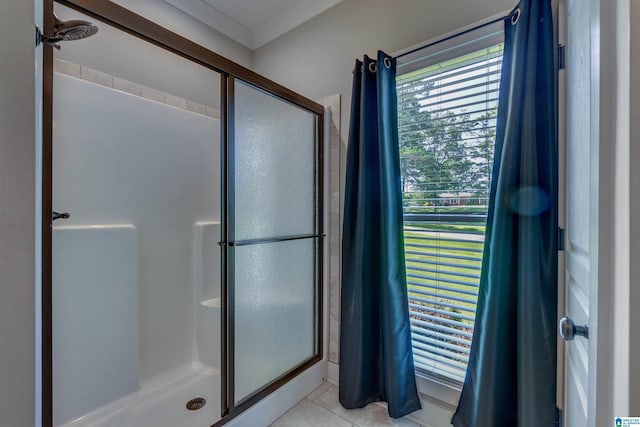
[[477, 27]]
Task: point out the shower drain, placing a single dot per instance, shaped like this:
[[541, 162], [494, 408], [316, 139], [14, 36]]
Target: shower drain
[[196, 403]]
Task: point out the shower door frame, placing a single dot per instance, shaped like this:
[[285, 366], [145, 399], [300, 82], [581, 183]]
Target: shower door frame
[[138, 26]]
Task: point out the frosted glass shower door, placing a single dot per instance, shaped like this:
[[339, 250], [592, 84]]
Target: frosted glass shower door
[[273, 233]]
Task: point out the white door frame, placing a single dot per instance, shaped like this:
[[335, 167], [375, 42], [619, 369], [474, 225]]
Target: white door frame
[[602, 225]]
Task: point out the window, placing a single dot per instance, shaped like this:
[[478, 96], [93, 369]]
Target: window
[[447, 105]]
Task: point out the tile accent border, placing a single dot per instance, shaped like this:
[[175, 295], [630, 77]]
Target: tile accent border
[[98, 77], [333, 115]]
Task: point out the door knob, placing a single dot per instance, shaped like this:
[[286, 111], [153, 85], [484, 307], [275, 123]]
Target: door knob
[[568, 330]]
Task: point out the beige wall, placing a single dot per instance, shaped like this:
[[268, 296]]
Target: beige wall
[[634, 158], [623, 110], [316, 58], [17, 213], [172, 18]]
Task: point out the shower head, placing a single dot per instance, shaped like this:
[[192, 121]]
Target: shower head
[[73, 30]]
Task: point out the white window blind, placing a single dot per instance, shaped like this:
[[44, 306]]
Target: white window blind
[[446, 126]]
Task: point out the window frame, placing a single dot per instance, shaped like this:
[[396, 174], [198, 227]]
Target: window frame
[[479, 35]]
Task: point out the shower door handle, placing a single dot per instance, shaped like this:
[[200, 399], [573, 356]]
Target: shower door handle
[[57, 215]]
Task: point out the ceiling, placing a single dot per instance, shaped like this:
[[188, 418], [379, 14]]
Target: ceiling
[[253, 23]]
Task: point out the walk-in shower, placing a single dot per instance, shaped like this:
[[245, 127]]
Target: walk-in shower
[[186, 247]]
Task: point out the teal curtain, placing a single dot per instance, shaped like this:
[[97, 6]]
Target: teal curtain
[[376, 358], [511, 376]]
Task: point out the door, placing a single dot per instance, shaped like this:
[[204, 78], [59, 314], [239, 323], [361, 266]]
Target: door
[[582, 392], [273, 246], [579, 234]]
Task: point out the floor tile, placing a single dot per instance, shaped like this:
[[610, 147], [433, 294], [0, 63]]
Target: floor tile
[[309, 414], [373, 415], [319, 391]]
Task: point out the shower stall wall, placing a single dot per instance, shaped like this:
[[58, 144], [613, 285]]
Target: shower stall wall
[[186, 217], [136, 302]]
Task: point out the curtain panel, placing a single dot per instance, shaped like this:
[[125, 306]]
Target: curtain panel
[[376, 357], [511, 376]]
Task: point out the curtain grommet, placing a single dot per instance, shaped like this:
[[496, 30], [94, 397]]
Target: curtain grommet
[[387, 62], [515, 17], [372, 67]]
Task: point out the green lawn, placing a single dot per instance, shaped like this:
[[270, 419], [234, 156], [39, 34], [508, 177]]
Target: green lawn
[[460, 228], [481, 209], [445, 260]]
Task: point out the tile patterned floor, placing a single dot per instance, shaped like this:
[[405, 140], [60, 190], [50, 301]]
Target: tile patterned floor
[[322, 409]]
